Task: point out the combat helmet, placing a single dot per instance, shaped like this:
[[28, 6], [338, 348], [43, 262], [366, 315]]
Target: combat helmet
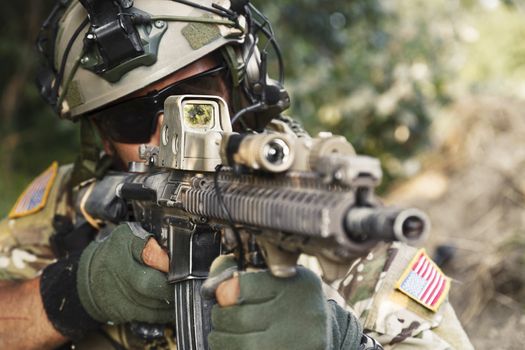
[[99, 51]]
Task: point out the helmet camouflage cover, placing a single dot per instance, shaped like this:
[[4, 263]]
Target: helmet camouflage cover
[[172, 36]]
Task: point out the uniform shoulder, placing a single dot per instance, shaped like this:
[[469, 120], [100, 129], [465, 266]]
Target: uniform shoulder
[[396, 279], [30, 219], [401, 296]]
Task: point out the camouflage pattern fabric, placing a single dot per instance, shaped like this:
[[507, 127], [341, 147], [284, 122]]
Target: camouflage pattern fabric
[[387, 315], [391, 317], [24, 241], [25, 251]]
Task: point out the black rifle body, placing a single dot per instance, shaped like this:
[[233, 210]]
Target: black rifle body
[[296, 212]]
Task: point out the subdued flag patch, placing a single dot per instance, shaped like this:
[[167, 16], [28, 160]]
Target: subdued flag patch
[[424, 282], [34, 198]]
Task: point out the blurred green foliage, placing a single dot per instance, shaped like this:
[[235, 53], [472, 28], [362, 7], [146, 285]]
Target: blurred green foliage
[[379, 71], [376, 71], [369, 69], [31, 136]]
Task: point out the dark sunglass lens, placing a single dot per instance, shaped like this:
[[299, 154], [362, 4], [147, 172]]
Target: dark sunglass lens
[[135, 121], [132, 127]]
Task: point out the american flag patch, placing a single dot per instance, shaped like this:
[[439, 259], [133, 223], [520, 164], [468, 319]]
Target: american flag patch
[[34, 198], [424, 282]]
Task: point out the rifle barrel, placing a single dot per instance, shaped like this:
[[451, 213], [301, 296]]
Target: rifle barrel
[[390, 224]]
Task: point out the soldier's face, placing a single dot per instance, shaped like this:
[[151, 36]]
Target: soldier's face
[[128, 152]]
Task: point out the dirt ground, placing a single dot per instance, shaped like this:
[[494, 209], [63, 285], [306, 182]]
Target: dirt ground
[[473, 188]]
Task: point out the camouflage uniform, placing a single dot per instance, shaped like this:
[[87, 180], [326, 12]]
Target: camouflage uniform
[[389, 316], [25, 250], [24, 240]]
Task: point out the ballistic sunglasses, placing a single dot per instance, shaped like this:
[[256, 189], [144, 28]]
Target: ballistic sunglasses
[[135, 120]]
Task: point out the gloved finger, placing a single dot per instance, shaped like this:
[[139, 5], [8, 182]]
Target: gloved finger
[[249, 318], [222, 269], [222, 263], [130, 236], [139, 238], [250, 325], [150, 310], [258, 341], [242, 319], [145, 309], [258, 287], [154, 256], [221, 340], [149, 283], [150, 315], [148, 287]]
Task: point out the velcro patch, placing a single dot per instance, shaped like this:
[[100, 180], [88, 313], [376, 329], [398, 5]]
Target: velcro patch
[[424, 282], [200, 34], [34, 198]]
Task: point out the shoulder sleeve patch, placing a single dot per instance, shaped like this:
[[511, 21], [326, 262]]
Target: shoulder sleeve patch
[[424, 282], [35, 196]]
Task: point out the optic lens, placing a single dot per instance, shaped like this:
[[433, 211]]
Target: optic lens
[[198, 115], [276, 152]]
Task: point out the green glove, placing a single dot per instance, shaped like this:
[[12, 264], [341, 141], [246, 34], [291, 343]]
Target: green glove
[[280, 313], [115, 286]]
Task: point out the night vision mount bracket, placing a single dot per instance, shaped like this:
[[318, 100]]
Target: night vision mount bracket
[[120, 38]]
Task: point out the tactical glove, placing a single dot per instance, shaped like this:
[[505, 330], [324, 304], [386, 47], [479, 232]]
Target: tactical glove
[[279, 313], [115, 286], [111, 285]]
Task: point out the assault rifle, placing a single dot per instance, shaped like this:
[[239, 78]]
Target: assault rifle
[[266, 197]]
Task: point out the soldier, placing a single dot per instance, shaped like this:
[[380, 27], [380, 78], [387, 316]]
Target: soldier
[[67, 277]]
